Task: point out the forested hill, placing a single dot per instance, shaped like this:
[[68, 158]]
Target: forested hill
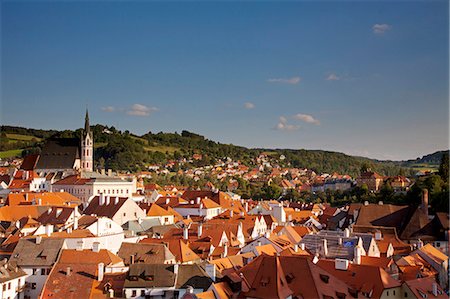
[[125, 151]]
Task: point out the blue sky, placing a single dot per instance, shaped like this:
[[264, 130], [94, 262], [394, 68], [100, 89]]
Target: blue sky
[[366, 78]]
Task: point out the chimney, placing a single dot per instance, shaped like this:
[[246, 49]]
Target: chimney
[[246, 206], [167, 201], [357, 255], [38, 240], [103, 171], [100, 271], [296, 247], [366, 203], [378, 235], [185, 232], [210, 269], [48, 230], [425, 201], [18, 224], [131, 259], [96, 247], [200, 229], [325, 247], [49, 211], [39, 201], [435, 289], [225, 250], [302, 246], [231, 213], [420, 244], [346, 233], [175, 269], [340, 241], [68, 271], [26, 196], [109, 172], [380, 203], [75, 222], [197, 200]]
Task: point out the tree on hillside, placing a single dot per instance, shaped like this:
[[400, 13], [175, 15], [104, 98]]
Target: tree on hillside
[[443, 167]]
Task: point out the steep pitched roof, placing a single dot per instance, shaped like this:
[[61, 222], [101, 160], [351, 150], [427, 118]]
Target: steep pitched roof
[[106, 210], [29, 253], [150, 253], [59, 153], [364, 278]]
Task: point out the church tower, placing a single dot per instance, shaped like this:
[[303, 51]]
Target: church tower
[[87, 147]]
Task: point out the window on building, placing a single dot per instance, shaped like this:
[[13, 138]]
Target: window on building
[[142, 293], [438, 244], [33, 286], [48, 271], [9, 286], [4, 287], [133, 293], [124, 214], [34, 271], [43, 271]]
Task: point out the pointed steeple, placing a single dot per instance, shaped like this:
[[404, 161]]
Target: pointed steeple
[[87, 128]]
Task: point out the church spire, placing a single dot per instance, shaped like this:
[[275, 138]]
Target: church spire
[[87, 128]]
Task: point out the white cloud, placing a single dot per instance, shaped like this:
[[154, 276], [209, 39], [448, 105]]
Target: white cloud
[[293, 80], [333, 77], [249, 105], [141, 110], [381, 28], [284, 126], [108, 109], [307, 118]]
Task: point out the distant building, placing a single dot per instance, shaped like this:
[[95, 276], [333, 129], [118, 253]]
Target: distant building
[[371, 179]]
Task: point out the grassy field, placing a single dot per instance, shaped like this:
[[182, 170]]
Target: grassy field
[[19, 137], [99, 144], [11, 153], [161, 148], [139, 139]]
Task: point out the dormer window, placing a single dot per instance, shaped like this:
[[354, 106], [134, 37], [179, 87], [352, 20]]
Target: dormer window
[[265, 281], [133, 278], [149, 277], [324, 278]]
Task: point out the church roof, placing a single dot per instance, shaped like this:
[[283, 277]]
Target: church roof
[[59, 153]]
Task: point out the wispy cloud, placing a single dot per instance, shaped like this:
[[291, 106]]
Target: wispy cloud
[[293, 80], [249, 105], [283, 125], [333, 77], [140, 110], [307, 118], [381, 28], [108, 109]]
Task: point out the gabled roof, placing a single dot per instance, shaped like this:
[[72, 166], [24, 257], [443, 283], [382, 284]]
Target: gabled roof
[[106, 210], [59, 153], [150, 276], [9, 272], [148, 253], [192, 275], [29, 162], [154, 210], [55, 216], [72, 180], [28, 253], [424, 286], [81, 281], [46, 198], [364, 278], [383, 215]]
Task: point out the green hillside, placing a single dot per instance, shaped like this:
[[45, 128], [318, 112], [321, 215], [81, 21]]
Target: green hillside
[[125, 151]]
